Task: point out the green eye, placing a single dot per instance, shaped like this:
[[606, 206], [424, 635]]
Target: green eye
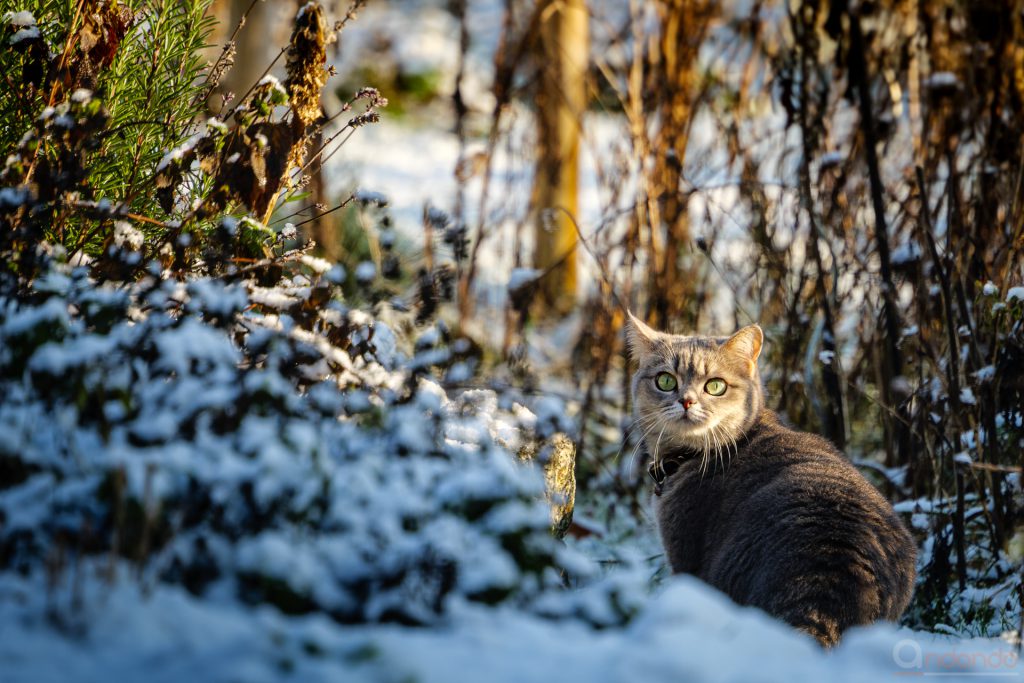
[[716, 387], [665, 381]]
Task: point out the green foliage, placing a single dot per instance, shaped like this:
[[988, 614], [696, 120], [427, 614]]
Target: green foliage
[[141, 62], [154, 90]]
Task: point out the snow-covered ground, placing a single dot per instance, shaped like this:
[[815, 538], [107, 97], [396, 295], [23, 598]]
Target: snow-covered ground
[[686, 632]]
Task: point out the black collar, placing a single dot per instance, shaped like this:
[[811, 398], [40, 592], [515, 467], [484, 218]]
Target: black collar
[[664, 467]]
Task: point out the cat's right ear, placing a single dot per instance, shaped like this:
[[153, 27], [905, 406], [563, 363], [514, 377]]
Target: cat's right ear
[[746, 344], [639, 337]]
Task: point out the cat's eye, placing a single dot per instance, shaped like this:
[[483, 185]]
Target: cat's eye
[[665, 381], [716, 386]]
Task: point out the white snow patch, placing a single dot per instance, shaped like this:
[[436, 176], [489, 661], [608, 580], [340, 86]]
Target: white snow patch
[[522, 276], [365, 272], [22, 18], [317, 265], [125, 235], [986, 374], [178, 152], [942, 80], [29, 33], [906, 253]]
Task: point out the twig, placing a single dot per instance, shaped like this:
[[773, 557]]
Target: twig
[[345, 203]]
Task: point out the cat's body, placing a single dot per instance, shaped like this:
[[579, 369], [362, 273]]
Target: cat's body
[[774, 518]]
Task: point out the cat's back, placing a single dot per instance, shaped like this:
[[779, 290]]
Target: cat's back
[[789, 525]]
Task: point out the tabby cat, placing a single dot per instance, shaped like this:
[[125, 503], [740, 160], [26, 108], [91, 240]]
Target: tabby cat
[[774, 518]]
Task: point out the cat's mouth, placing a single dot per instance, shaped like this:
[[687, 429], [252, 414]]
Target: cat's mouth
[[691, 417], [689, 424]]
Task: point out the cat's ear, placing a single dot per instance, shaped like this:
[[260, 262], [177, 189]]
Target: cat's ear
[[639, 337], [746, 344]]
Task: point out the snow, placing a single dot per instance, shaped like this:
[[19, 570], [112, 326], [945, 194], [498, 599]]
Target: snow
[[906, 253], [986, 374], [271, 297], [370, 197], [830, 159], [179, 152], [13, 197], [22, 18], [941, 80], [366, 271], [990, 289], [317, 265], [1015, 294], [55, 360], [279, 93], [522, 276], [28, 33], [302, 10], [215, 124], [15, 322], [125, 235], [192, 342], [123, 631]]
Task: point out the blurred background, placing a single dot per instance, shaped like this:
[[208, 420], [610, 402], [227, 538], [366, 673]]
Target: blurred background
[[846, 174]]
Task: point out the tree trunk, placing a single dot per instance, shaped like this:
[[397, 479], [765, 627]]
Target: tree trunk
[[674, 75], [563, 53]]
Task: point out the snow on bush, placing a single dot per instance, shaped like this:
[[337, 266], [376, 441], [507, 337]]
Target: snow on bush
[[270, 442]]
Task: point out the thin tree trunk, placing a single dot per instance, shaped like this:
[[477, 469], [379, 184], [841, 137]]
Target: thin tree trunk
[[675, 77], [898, 443], [563, 53]]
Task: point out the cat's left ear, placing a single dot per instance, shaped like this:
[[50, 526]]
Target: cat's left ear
[[746, 344], [639, 337]]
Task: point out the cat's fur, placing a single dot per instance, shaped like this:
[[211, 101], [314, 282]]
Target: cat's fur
[[774, 518]]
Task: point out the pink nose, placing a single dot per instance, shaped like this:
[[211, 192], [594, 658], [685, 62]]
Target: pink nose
[[687, 402]]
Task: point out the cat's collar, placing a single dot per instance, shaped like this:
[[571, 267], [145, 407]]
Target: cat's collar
[[663, 468]]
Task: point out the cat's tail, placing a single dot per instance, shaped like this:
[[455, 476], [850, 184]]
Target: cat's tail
[[824, 605], [822, 627], [826, 602]]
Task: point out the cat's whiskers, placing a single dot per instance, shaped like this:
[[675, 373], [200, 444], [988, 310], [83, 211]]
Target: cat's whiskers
[[653, 421], [705, 456], [657, 444], [641, 421], [733, 446], [640, 442], [644, 422], [720, 444], [713, 451], [718, 448]]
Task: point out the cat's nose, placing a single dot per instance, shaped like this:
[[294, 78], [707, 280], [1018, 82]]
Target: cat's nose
[[687, 402]]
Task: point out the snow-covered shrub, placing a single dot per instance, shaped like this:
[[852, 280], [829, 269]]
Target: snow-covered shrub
[[186, 389], [221, 433]]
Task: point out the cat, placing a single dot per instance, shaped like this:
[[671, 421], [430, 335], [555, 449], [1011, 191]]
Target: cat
[[774, 518]]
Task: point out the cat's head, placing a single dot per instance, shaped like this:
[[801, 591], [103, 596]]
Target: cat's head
[[699, 393]]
